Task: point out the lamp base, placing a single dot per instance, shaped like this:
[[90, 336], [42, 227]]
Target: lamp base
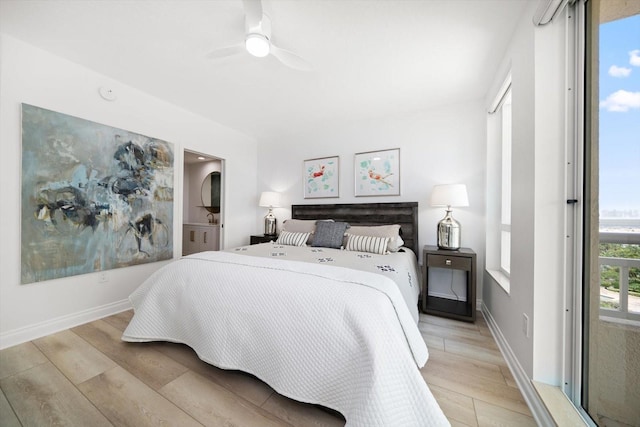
[[449, 233], [270, 224]]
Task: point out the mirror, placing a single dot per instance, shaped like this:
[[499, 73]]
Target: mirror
[[211, 192]]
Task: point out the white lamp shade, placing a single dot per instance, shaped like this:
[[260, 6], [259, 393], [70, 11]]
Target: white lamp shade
[[449, 195], [269, 199]]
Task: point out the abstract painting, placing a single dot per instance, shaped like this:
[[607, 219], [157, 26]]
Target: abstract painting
[[321, 177], [377, 173], [94, 197]]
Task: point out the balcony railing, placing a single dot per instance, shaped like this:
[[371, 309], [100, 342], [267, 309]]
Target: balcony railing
[[626, 306]]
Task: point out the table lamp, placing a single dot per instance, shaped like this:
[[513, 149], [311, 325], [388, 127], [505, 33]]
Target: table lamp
[[448, 228], [269, 199]]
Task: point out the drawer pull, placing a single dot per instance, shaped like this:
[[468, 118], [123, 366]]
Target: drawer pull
[[205, 237], [448, 262], [192, 236]]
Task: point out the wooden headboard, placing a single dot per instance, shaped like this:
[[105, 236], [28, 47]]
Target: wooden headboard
[[404, 213]]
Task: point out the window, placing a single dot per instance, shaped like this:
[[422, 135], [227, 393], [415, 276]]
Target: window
[[499, 130], [505, 180]]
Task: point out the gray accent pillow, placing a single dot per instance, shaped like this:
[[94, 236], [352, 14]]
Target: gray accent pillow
[[329, 234]]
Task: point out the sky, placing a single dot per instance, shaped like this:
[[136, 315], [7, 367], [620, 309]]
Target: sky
[[620, 115]]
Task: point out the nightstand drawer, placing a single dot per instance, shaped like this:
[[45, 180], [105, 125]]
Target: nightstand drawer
[[445, 261]]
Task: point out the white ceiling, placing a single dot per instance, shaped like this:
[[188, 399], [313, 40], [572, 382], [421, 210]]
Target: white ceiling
[[370, 58]]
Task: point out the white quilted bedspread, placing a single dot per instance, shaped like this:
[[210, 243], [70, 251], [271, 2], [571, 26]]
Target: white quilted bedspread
[[401, 267], [333, 336]]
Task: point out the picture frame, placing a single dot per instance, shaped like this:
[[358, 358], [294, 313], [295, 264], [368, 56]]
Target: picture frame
[[377, 173], [321, 177], [94, 197]]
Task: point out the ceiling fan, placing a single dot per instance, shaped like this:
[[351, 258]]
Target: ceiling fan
[[258, 40]]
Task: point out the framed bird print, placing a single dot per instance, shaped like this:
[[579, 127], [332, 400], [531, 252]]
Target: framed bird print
[[377, 173], [321, 177]]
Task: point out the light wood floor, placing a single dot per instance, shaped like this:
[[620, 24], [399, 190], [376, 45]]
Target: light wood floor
[[87, 376]]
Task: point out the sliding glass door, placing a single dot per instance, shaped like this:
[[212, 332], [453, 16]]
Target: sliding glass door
[[611, 304]]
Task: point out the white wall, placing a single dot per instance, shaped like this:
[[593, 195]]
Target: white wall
[[536, 59], [443, 145], [33, 76], [507, 309]]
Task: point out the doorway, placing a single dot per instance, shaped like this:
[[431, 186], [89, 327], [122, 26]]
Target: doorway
[[203, 207]]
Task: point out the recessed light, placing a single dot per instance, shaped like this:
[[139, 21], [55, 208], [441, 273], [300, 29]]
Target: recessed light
[[200, 158]]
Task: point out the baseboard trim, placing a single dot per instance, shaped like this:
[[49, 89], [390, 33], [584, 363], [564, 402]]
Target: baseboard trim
[[535, 403], [39, 330]]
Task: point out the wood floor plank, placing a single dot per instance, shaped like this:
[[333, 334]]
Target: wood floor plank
[[74, 357], [508, 377], [20, 358], [452, 323], [302, 414], [461, 335], [455, 406], [483, 327], [455, 423], [244, 385], [496, 416], [433, 342], [8, 418], [467, 365], [478, 388], [149, 365], [127, 401], [120, 320], [43, 396], [214, 405], [482, 353]]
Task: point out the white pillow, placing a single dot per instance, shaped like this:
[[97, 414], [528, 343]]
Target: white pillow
[[392, 232], [292, 239], [372, 244], [395, 244], [299, 225]]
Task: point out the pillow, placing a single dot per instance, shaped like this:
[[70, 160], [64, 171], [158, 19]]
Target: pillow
[[302, 226], [375, 245], [394, 245], [292, 239], [299, 225], [329, 234], [392, 232]]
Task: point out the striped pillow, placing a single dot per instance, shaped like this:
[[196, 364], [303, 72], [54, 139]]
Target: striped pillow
[[375, 245], [292, 239]]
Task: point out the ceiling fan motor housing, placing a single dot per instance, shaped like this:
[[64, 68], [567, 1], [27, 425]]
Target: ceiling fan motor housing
[[257, 41]]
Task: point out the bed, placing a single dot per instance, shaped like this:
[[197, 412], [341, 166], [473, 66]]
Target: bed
[[321, 321]]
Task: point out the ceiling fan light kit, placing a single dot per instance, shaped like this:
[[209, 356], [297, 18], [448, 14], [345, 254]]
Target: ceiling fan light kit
[[257, 45], [258, 40]]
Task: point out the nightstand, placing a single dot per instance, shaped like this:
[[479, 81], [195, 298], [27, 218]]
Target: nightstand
[[262, 238], [463, 259]]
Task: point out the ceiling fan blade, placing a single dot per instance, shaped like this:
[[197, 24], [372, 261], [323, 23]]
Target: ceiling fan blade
[[253, 12], [290, 59], [224, 52]]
